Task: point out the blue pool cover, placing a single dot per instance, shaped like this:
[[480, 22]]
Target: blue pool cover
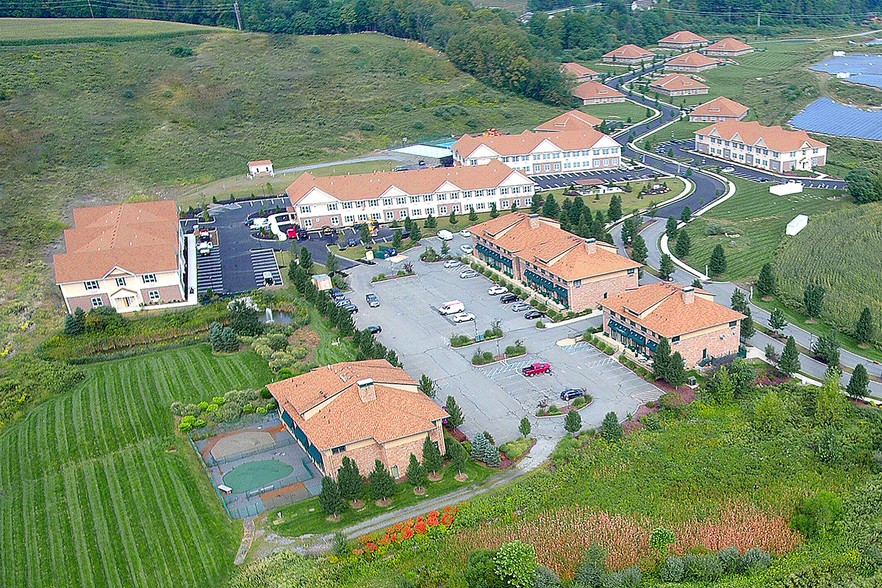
[[831, 118], [863, 69]]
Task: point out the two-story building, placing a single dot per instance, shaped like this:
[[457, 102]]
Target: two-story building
[[678, 85], [574, 120], [574, 272], [695, 325], [363, 410], [535, 153], [596, 93], [578, 72], [127, 256], [728, 47], [692, 62], [718, 109], [629, 54], [683, 40], [770, 148], [342, 201]]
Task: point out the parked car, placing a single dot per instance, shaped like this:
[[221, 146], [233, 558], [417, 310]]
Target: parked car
[[508, 298], [351, 243], [452, 263], [728, 170], [445, 235], [204, 248], [572, 393], [468, 273], [536, 368], [372, 299], [497, 290], [292, 233], [463, 317], [336, 293], [451, 307], [351, 308], [465, 233], [342, 302], [533, 314], [374, 329], [268, 279], [467, 249], [421, 163], [520, 306]]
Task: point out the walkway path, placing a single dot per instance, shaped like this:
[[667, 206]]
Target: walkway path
[[385, 157], [247, 538]]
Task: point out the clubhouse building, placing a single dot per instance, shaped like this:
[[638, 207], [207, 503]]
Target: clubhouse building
[[699, 328], [717, 110], [364, 410], [678, 85], [770, 148], [576, 273]]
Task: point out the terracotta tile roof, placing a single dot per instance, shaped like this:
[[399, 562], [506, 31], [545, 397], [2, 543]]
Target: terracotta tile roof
[[336, 413], [683, 38], [551, 248], [570, 121], [418, 181], [577, 70], [673, 82], [261, 162], [728, 44], [141, 237], [591, 89], [660, 307], [691, 59], [753, 133], [721, 106], [628, 51], [527, 141]]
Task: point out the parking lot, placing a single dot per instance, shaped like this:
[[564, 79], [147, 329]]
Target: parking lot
[[493, 397], [565, 179]]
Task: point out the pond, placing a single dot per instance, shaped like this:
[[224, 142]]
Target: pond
[[276, 317]]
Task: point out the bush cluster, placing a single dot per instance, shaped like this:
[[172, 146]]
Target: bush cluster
[[222, 409]]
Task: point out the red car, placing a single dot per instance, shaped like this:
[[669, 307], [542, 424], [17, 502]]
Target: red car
[[537, 368], [292, 233]]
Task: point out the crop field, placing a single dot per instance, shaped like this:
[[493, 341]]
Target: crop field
[[98, 491], [758, 218], [30, 30]]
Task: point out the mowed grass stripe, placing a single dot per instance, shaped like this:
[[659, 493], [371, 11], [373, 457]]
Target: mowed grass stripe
[[124, 524], [77, 538], [107, 546]]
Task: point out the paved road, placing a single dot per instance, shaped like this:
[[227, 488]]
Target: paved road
[[385, 157]]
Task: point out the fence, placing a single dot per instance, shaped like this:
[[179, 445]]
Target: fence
[[270, 502], [208, 475], [282, 442]]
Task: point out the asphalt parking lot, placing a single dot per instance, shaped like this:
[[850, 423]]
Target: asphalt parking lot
[[565, 179], [497, 396]]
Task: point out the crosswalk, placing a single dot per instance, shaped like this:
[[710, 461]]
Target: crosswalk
[[264, 260], [208, 273], [498, 369]]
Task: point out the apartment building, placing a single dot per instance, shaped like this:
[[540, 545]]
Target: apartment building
[[596, 93], [728, 47], [574, 120], [692, 62], [578, 72], [678, 85], [629, 54], [683, 40], [718, 109], [770, 148]]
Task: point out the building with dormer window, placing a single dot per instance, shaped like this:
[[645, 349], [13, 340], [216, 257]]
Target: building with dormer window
[[770, 148]]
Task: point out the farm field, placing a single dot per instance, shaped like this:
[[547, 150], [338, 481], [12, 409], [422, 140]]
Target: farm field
[[98, 491], [42, 30], [620, 111], [759, 218]]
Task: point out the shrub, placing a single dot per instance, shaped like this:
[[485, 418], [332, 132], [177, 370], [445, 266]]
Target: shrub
[[546, 578], [651, 422], [261, 410], [730, 559], [672, 570], [705, 568], [540, 325], [590, 573], [227, 413], [248, 408], [315, 50], [817, 515], [265, 393], [755, 560], [553, 409]]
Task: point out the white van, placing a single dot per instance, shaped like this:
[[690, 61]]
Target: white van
[[445, 235], [451, 307]]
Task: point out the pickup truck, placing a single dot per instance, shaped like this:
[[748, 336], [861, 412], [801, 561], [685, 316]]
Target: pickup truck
[[537, 368]]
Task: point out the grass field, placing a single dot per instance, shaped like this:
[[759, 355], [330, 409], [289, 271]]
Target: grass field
[[630, 200], [19, 30], [759, 218], [620, 111], [98, 491]]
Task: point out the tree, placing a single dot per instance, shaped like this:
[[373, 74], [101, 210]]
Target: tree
[[408, 223], [535, 203], [639, 252], [515, 564], [244, 320], [721, 387], [550, 208], [769, 414], [330, 499], [771, 353], [671, 228], [683, 244], [458, 455], [826, 348], [525, 427], [859, 382], [865, 330], [473, 216], [431, 222], [661, 359], [416, 473], [789, 363], [397, 238], [75, 324], [747, 328], [686, 215], [718, 261], [676, 372], [381, 482], [611, 429], [777, 320], [514, 207], [415, 234], [660, 539], [493, 211], [350, 480], [765, 283], [493, 459], [365, 233], [861, 186], [455, 420], [738, 301], [813, 299], [666, 267], [615, 208], [480, 570], [305, 260], [573, 422], [432, 456], [830, 405], [332, 264], [427, 386], [479, 447], [452, 218], [445, 248]]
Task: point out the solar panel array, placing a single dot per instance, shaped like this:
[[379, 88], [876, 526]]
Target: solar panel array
[[862, 68], [831, 118]]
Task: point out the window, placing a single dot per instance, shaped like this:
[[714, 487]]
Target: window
[[332, 206], [675, 339], [362, 217], [307, 223], [479, 193], [473, 162], [304, 209], [335, 220], [503, 191], [516, 190], [97, 302], [427, 197], [338, 449], [387, 202], [347, 206], [442, 197], [149, 278], [479, 206], [467, 194], [154, 295], [360, 203], [390, 215], [375, 202], [631, 271], [349, 218], [91, 284], [442, 210], [401, 200], [120, 282], [577, 283], [376, 216], [394, 472], [417, 211], [733, 324], [414, 199]]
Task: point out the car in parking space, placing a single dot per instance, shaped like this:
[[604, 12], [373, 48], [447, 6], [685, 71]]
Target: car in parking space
[[374, 329], [445, 235], [465, 233], [508, 298], [351, 243], [520, 306], [468, 273], [451, 307], [350, 307], [572, 393], [497, 290], [533, 314], [268, 279], [463, 317], [372, 299], [342, 302], [728, 170], [336, 293], [451, 263], [536, 368], [466, 249]]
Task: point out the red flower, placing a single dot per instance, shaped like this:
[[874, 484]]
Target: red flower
[[399, 526], [371, 547], [420, 528], [408, 533], [434, 513], [385, 540], [420, 519], [447, 520], [409, 523], [357, 551], [433, 520]]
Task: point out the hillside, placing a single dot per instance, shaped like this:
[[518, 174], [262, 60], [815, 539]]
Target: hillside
[[31, 31]]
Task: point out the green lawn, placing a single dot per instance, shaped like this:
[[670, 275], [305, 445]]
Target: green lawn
[[630, 200], [19, 30], [619, 111], [97, 490]]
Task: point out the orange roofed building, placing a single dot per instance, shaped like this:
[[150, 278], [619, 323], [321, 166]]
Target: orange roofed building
[[364, 410], [695, 325], [691, 62], [578, 72], [574, 120], [728, 47], [718, 109], [771, 148], [683, 40], [629, 54], [575, 272], [125, 256], [596, 93], [678, 85]]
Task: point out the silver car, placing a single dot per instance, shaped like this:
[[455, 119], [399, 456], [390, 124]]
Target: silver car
[[520, 306]]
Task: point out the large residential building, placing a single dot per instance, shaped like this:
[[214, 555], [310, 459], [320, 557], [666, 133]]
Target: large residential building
[[771, 148], [695, 325], [363, 410], [575, 272], [578, 72], [534, 153], [629, 54], [692, 62], [126, 256], [678, 85], [728, 47], [718, 109], [342, 201], [683, 40], [574, 120], [596, 93]]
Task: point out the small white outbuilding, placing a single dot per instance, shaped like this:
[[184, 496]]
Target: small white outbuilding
[[262, 166], [797, 224]]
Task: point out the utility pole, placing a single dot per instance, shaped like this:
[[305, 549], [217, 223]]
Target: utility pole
[[758, 19], [90, 8], [238, 16]]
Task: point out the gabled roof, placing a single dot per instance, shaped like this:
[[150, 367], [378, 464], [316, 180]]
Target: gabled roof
[[418, 181], [728, 44], [577, 70], [683, 38], [574, 120], [691, 59], [261, 162], [661, 308], [551, 248], [527, 141], [753, 133], [591, 89], [677, 82], [628, 51], [721, 106], [138, 237], [326, 404]]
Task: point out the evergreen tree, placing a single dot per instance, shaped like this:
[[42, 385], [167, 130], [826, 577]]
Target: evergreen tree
[[686, 215], [813, 298], [857, 385], [415, 234], [514, 207], [432, 456], [535, 203], [330, 499], [350, 480], [332, 264], [431, 222], [397, 238], [676, 370], [661, 359], [671, 228], [628, 230], [639, 252], [445, 249], [492, 459], [473, 216], [826, 348], [75, 324], [683, 244], [576, 210], [416, 473], [718, 261], [789, 363], [408, 223], [615, 208], [696, 283], [493, 211], [381, 482], [458, 455], [479, 447], [456, 419], [214, 336], [573, 422], [525, 427], [550, 208], [765, 283], [452, 219], [610, 429], [427, 386], [864, 330], [365, 233], [392, 358], [305, 260], [777, 320], [748, 330], [739, 301], [666, 267]]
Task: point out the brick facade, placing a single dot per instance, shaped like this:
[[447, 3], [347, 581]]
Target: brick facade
[[85, 302], [166, 294], [592, 292]]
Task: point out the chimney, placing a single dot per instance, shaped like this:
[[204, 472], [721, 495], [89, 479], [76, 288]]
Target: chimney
[[366, 390], [688, 295], [534, 220], [591, 245]]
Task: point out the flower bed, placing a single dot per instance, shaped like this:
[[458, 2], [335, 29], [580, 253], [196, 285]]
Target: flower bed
[[381, 277], [553, 410], [401, 535]]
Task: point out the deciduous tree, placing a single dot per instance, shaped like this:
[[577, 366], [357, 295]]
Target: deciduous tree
[[525, 427], [573, 421]]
